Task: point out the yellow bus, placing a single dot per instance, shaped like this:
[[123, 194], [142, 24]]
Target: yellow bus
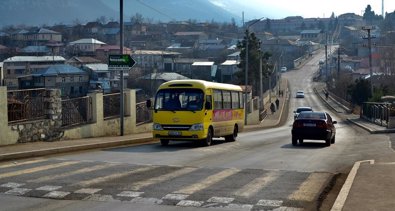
[[197, 110]]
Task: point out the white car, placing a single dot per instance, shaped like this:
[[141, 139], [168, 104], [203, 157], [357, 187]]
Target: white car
[[299, 94], [301, 109], [283, 69]]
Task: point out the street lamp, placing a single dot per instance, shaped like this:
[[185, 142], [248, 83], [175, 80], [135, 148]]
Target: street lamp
[[246, 68]]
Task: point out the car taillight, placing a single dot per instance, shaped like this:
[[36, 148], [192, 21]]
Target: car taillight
[[297, 124], [322, 125]]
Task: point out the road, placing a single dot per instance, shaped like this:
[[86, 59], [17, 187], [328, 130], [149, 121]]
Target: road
[[261, 170]]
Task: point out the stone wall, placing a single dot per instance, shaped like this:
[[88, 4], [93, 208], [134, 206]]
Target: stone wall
[[48, 129]]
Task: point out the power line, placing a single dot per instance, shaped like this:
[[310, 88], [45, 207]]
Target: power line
[[154, 9]]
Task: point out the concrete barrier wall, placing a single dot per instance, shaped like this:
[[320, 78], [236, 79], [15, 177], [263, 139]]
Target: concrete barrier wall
[[7, 135], [16, 133]]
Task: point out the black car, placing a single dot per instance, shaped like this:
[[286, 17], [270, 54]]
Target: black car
[[314, 126]]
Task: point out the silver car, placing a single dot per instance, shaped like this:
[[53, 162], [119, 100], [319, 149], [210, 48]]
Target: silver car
[[301, 109]]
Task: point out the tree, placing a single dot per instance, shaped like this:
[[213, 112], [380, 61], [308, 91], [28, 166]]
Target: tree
[[254, 56], [359, 91], [137, 19]]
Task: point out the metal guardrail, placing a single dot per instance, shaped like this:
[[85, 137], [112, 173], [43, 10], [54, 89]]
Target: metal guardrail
[[76, 111], [377, 113], [111, 105], [25, 105]]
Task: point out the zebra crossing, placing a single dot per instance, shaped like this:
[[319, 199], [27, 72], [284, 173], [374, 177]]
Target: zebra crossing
[[184, 186]]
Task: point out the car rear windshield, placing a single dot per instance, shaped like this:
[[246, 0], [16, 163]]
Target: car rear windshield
[[302, 109], [311, 115]]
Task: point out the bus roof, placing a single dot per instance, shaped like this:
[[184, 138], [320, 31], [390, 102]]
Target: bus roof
[[199, 84]]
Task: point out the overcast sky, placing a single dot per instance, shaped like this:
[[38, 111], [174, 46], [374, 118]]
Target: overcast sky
[[312, 8]]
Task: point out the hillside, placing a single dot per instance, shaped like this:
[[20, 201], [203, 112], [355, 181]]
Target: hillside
[[49, 12]]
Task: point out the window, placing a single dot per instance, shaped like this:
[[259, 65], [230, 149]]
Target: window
[[71, 78], [241, 97], [227, 99], [235, 100], [63, 79], [217, 99], [80, 79]]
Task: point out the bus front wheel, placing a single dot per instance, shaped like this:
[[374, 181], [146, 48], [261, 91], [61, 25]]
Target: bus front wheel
[[207, 141], [164, 142]]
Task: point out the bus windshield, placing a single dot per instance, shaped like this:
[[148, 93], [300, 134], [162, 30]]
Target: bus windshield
[[179, 100]]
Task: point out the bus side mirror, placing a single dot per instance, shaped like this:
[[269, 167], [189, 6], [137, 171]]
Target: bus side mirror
[[208, 106], [148, 103]]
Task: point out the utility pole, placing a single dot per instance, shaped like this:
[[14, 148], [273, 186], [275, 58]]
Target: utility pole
[[121, 72], [260, 79], [326, 62], [368, 29], [338, 63]]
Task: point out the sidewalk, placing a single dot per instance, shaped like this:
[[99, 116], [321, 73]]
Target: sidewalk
[[369, 185]]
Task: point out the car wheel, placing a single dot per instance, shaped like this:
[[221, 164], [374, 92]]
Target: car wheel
[[207, 141], [333, 139], [232, 137], [164, 142], [300, 141], [294, 141], [328, 142]]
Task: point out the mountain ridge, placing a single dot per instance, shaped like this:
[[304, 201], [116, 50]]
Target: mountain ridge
[[51, 12]]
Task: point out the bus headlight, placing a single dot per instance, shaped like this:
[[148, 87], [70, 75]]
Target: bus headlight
[[197, 127], [157, 126]]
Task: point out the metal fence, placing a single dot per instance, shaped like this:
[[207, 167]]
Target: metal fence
[[24, 105], [111, 105], [377, 113], [143, 114], [76, 111]]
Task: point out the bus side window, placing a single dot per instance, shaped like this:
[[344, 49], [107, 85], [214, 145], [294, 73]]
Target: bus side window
[[209, 103], [217, 100]]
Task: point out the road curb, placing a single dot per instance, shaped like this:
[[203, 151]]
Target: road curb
[[81, 147], [342, 197]]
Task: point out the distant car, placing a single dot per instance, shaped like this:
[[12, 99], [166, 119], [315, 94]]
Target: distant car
[[314, 126], [283, 69], [299, 94], [301, 109]]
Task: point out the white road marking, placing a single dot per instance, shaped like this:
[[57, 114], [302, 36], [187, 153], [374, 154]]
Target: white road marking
[[88, 190], [12, 185], [49, 188], [224, 200], [246, 207], [146, 200], [177, 197], [99, 197], [257, 184], [68, 174], [155, 180], [269, 203], [189, 203], [18, 191], [56, 194], [113, 176], [206, 182], [36, 169], [22, 163], [131, 194]]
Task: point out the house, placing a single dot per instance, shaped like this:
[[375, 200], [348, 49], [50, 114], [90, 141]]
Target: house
[[189, 38], [80, 61], [35, 51], [19, 66], [227, 70], [99, 76], [151, 59], [183, 66], [87, 46], [39, 36], [315, 35], [72, 81], [204, 71]]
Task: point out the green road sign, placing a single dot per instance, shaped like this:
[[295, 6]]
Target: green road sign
[[121, 61]]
